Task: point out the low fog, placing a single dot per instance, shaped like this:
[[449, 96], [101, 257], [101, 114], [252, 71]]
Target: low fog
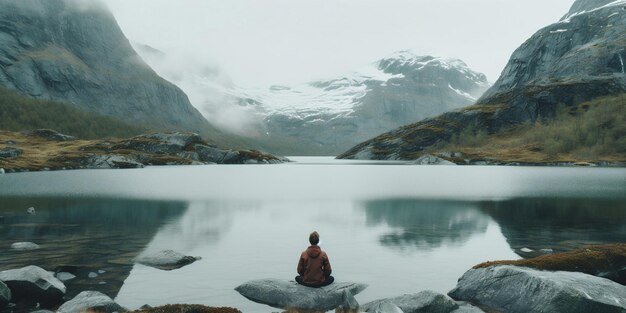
[[210, 47]]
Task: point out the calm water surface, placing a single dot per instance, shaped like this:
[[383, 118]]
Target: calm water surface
[[399, 228]]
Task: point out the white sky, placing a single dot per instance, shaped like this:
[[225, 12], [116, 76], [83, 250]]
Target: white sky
[[262, 42]]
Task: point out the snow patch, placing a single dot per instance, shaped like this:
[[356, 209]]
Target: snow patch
[[567, 18], [558, 31], [462, 93]]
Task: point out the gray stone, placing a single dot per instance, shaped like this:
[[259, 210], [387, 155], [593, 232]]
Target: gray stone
[[283, 294], [65, 276], [24, 246], [465, 307], [33, 284], [109, 161], [91, 301], [210, 154], [349, 302], [92, 275], [385, 307], [30, 210], [431, 160], [520, 290], [10, 152], [422, 302], [5, 295], [165, 259], [2, 171]]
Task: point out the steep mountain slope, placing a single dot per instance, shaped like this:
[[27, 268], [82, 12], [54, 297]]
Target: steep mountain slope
[[74, 52], [575, 60]]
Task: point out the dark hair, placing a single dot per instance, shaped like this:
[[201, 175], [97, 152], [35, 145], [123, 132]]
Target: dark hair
[[314, 238]]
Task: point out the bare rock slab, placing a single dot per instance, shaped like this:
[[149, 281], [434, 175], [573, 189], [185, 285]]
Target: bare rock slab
[[422, 302], [91, 301], [523, 290], [289, 295], [33, 284]]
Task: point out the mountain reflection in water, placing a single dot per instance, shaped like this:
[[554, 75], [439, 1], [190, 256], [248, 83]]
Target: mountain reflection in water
[[82, 236], [425, 224]]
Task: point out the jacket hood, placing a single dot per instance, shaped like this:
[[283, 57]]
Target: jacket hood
[[314, 251]]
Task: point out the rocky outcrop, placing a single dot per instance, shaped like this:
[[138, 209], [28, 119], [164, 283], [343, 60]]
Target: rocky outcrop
[[431, 160], [5, 295], [165, 260], [24, 246], [10, 152], [572, 61], [421, 302], [33, 284], [152, 149], [522, 290], [74, 52], [606, 261], [290, 295], [91, 301]]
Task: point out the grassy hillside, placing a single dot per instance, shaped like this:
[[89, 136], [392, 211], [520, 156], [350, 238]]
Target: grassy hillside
[[18, 113], [589, 132]]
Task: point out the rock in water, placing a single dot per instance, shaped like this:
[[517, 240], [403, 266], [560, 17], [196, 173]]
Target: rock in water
[[421, 302], [25, 246], [30, 210], [5, 295], [165, 260], [283, 294], [33, 284], [91, 301], [524, 290]]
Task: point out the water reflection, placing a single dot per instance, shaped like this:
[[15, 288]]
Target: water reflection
[[558, 224], [425, 224], [82, 236]]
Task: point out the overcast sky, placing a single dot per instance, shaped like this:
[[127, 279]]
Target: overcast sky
[[262, 42]]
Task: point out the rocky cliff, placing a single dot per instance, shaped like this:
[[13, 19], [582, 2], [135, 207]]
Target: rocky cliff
[[579, 58], [73, 51]]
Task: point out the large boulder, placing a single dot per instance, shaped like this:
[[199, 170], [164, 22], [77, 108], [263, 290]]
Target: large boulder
[[5, 295], [165, 260], [289, 295], [109, 161], [91, 301], [517, 289], [33, 284], [422, 302]]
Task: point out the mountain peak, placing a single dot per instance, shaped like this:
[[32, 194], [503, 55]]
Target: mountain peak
[[407, 59], [585, 6]]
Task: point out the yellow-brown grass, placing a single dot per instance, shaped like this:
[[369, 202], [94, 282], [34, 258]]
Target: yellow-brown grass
[[187, 308], [590, 260]]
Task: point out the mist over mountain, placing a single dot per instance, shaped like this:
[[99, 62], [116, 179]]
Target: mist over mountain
[[74, 52], [324, 116]]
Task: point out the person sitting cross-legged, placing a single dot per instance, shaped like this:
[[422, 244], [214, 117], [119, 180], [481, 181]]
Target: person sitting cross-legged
[[314, 267]]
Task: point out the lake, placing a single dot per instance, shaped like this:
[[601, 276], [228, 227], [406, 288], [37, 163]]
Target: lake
[[400, 228]]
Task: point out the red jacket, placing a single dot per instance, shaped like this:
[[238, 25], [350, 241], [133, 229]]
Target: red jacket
[[314, 265]]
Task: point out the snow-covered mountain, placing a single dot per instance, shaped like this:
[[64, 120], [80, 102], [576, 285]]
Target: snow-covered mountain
[[327, 116], [322, 117]]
